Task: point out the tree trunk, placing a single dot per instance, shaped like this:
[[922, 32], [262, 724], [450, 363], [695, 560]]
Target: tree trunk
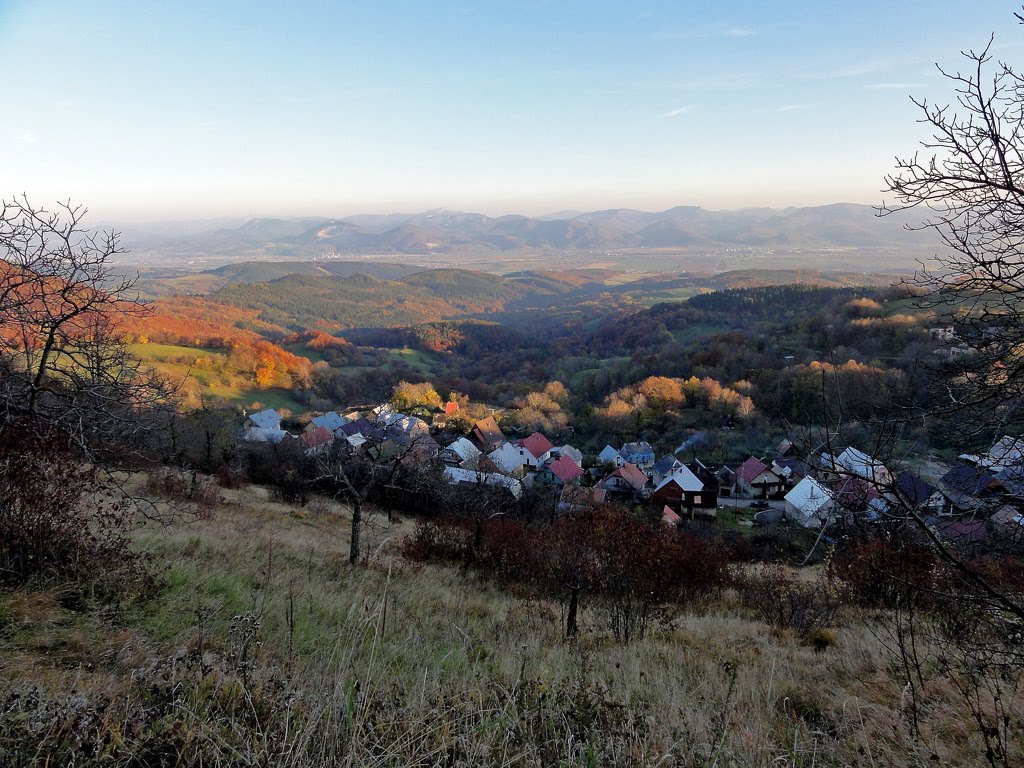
[[570, 619], [357, 519]]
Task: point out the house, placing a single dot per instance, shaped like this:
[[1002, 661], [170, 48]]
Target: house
[[669, 517], [712, 485], [263, 427], [683, 489], [664, 467], [1007, 452], [791, 469], [918, 495], [574, 497], [317, 441], [626, 480], [640, 454], [382, 412], [810, 503], [534, 450], [854, 494], [562, 471], [573, 453], [461, 453], [459, 476], [451, 408], [486, 435], [726, 477], [864, 466], [786, 449], [358, 426], [506, 458], [755, 478], [970, 489], [611, 456], [332, 421]]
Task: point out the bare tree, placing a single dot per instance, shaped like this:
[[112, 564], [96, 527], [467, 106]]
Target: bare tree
[[62, 360]]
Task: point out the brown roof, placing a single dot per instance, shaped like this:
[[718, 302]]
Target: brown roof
[[317, 436], [632, 475], [576, 496], [750, 469], [486, 432], [536, 444]]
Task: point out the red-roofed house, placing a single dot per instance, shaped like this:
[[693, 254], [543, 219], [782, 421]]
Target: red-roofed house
[[451, 408], [669, 517], [535, 449], [316, 440], [755, 478], [564, 471], [627, 479]]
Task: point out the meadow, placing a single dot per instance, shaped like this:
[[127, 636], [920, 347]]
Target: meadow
[[261, 646]]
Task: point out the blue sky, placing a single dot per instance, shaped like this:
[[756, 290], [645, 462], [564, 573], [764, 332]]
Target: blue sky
[[182, 109]]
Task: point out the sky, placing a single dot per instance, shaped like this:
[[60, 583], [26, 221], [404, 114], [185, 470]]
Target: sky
[[163, 110]]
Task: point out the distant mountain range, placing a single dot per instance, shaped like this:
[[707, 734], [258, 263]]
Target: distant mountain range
[[842, 225]]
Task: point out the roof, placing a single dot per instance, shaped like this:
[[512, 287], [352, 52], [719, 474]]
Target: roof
[[573, 453], [1007, 450], [636, 449], [914, 489], [860, 463], [262, 435], [665, 464], [964, 530], [536, 444], [266, 419], [631, 474], [317, 436], [970, 480], [506, 458], [750, 469], [331, 421], [669, 516], [565, 469], [486, 432], [685, 479], [451, 408], [459, 475], [809, 496], [608, 454], [464, 449], [360, 426], [854, 493]]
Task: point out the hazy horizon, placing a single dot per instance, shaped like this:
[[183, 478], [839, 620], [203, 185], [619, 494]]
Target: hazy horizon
[[149, 112]]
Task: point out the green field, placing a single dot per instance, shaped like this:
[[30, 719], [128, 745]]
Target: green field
[[201, 371]]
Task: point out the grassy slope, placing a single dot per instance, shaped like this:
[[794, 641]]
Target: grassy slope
[[448, 665], [177, 364]]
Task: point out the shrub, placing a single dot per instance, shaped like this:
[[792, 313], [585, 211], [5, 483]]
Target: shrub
[[785, 601], [60, 519]]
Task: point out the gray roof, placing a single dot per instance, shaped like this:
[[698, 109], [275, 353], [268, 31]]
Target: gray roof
[[266, 419], [331, 421]]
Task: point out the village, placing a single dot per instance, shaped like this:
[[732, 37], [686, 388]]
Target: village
[[977, 496]]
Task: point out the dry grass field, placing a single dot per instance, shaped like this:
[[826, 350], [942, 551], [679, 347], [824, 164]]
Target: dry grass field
[[262, 646]]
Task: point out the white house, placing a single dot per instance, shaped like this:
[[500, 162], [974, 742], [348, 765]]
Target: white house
[[508, 459], [863, 466], [575, 454], [461, 452], [809, 503], [263, 427]]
